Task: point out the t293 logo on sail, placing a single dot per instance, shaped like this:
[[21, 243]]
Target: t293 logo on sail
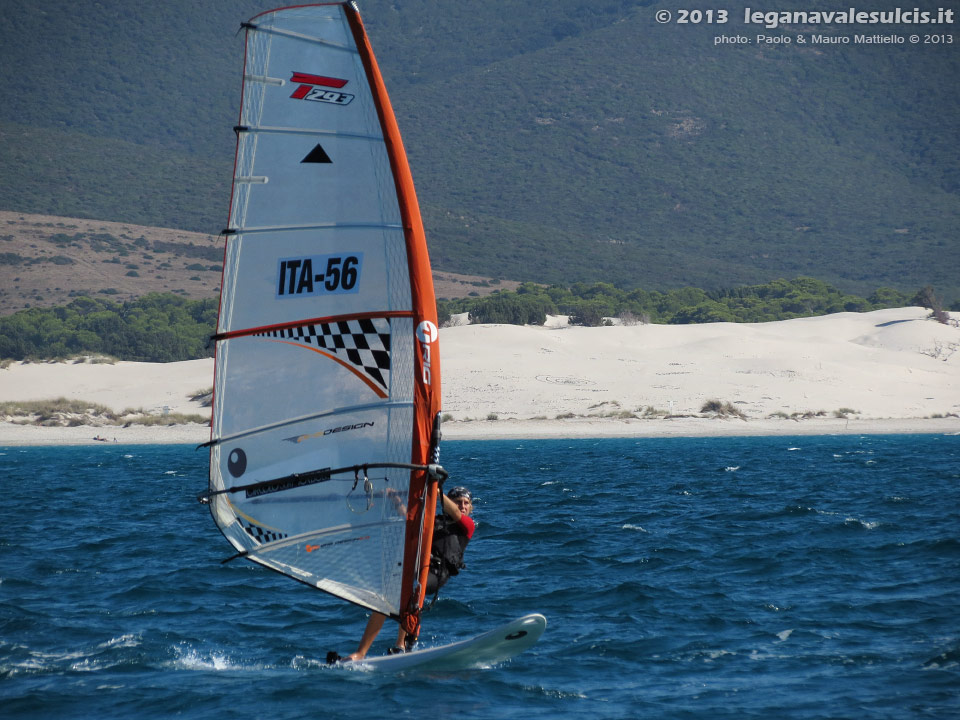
[[317, 88], [427, 335]]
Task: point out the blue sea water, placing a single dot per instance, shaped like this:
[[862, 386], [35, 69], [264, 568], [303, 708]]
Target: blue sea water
[[812, 577]]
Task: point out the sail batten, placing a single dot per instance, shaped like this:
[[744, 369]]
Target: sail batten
[[300, 36], [325, 226], [326, 342], [275, 130], [316, 416], [265, 80], [330, 319]]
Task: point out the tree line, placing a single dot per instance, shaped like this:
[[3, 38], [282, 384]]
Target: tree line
[[594, 304], [158, 327], [163, 327]]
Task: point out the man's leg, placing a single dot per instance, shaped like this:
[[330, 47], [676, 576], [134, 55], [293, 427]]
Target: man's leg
[[369, 635]]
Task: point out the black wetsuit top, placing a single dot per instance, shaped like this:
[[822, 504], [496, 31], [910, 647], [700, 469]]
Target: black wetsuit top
[[450, 538]]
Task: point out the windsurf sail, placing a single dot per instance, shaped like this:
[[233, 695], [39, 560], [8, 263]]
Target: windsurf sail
[[327, 384]]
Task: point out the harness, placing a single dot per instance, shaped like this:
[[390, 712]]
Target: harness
[[449, 543]]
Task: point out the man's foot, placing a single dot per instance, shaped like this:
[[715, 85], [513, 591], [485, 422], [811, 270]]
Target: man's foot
[[396, 650]]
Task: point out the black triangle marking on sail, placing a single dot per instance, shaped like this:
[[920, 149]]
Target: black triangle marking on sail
[[317, 155]]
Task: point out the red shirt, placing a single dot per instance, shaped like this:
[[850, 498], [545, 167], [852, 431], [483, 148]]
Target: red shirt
[[468, 525]]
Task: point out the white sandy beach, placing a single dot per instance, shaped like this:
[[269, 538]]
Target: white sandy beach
[[888, 371]]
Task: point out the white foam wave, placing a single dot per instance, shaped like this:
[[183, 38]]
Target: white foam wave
[[711, 655], [81, 660], [124, 641], [39, 661], [87, 665], [784, 634], [299, 662], [191, 659], [553, 693], [862, 523], [629, 526]]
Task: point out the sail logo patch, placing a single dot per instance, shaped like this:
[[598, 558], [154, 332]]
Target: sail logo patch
[[317, 275], [313, 548], [286, 484], [427, 334], [317, 88], [237, 462], [317, 155], [330, 431]]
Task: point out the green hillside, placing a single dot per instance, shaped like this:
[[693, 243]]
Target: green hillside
[[556, 142]]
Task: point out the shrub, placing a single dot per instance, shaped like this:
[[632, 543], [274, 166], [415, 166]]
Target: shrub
[[928, 299], [168, 419], [511, 308], [721, 409], [651, 412], [587, 315]]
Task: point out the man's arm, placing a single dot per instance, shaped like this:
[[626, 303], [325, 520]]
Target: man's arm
[[450, 508]]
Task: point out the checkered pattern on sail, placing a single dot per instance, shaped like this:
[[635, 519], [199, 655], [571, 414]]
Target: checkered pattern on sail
[[364, 343], [261, 534]]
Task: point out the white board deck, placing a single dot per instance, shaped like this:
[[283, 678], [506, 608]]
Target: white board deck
[[482, 651]]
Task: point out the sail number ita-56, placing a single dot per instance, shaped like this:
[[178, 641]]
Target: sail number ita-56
[[318, 275]]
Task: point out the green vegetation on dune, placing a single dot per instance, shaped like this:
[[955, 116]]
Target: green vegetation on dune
[[154, 328], [590, 304], [166, 328], [73, 413]]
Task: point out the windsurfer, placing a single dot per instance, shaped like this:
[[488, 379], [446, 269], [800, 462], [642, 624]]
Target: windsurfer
[[451, 533]]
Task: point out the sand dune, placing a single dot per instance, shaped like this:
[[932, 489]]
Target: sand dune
[[884, 371]]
